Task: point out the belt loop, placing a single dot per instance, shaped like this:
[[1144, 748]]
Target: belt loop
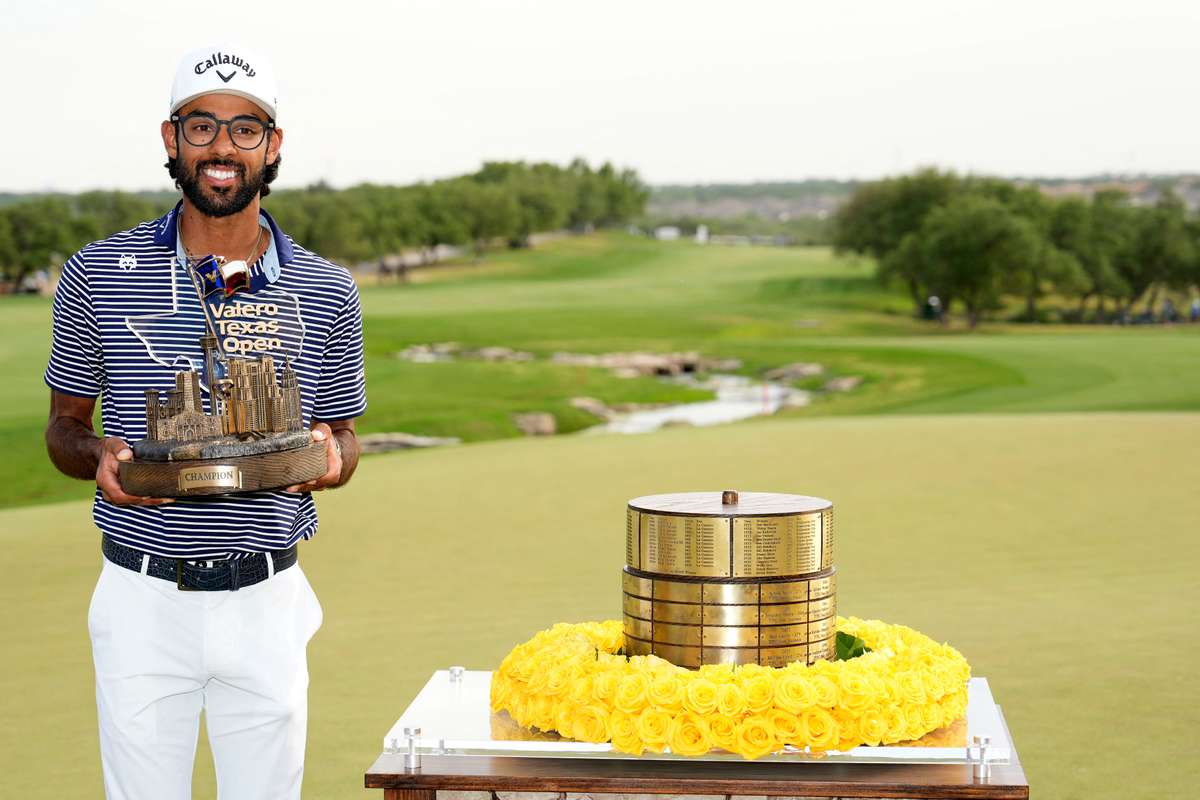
[[270, 564], [234, 574], [145, 563]]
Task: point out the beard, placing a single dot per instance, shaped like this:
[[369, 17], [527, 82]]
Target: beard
[[222, 201]]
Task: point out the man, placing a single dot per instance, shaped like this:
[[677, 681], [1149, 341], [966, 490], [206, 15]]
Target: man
[[126, 320]]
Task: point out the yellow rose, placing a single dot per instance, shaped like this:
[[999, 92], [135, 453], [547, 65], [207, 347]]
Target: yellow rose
[[591, 724], [723, 732], [794, 692], [897, 724], [915, 728], [827, 694], [717, 673], [855, 692], [755, 737], [623, 730], [847, 725], [558, 680], [912, 691], [872, 726], [604, 685], [689, 735], [654, 726], [542, 710], [818, 728], [631, 694], [498, 692], [787, 727], [700, 696], [760, 692], [731, 701], [931, 716], [580, 690], [536, 683], [564, 717], [666, 691]]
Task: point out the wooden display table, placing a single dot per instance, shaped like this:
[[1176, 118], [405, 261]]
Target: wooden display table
[[460, 749], [576, 776]]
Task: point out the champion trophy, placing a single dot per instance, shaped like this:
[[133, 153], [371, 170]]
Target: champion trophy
[[253, 436]]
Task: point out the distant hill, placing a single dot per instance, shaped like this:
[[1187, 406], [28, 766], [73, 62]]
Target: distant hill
[[790, 200]]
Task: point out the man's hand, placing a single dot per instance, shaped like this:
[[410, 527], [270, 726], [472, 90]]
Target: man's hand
[[321, 432], [114, 450]]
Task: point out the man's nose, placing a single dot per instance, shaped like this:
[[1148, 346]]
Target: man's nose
[[224, 141]]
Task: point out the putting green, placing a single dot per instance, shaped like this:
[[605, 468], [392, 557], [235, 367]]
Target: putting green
[[1058, 552]]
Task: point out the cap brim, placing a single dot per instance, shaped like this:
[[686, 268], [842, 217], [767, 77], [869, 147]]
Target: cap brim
[[258, 101]]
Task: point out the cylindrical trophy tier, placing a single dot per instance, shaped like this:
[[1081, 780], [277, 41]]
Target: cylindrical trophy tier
[[691, 623], [760, 536], [723, 578]]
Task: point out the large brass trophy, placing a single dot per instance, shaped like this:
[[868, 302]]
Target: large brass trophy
[[253, 439], [718, 577]]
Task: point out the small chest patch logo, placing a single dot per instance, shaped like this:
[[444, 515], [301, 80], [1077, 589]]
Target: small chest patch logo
[[127, 262]]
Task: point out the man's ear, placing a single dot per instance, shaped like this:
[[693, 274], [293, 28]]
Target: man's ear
[[168, 131], [274, 146]]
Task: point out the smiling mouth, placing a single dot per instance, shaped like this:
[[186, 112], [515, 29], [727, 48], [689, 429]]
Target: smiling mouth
[[219, 176]]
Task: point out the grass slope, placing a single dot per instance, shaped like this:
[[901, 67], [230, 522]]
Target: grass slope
[[766, 306], [1056, 551]]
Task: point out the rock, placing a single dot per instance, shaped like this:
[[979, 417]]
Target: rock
[[843, 384], [384, 442], [538, 423], [429, 353], [593, 406], [794, 372], [498, 354], [796, 399]]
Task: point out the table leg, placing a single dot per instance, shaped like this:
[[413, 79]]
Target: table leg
[[409, 794]]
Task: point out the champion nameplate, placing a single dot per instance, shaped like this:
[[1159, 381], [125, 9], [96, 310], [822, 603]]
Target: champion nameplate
[[216, 477]]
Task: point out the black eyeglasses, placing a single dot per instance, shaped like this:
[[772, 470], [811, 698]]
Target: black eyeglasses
[[201, 129]]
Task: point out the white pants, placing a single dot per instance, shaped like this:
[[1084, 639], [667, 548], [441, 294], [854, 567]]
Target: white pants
[[162, 655]]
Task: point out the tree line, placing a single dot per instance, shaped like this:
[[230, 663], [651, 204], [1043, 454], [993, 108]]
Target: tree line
[[501, 202], [975, 242]]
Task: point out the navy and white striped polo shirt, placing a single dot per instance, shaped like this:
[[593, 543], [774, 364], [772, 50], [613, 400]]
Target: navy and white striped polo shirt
[[113, 292]]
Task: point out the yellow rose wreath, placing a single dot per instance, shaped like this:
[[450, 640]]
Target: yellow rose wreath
[[572, 679]]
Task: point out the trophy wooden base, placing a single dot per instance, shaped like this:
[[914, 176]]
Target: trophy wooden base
[[227, 475]]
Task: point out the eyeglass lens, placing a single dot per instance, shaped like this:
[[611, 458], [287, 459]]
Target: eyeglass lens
[[246, 132]]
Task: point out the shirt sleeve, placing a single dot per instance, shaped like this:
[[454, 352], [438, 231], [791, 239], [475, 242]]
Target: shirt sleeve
[[76, 366], [342, 388]]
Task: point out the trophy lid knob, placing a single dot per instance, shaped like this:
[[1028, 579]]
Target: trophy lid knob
[[729, 497]]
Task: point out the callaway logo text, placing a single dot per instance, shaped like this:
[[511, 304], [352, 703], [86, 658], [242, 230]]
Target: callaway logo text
[[220, 59]]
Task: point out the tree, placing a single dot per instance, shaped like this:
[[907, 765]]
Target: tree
[[970, 247], [1161, 251], [43, 233], [1094, 234], [879, 215]]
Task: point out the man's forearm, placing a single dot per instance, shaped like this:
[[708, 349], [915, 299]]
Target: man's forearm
[[348, 441], [74, 447]]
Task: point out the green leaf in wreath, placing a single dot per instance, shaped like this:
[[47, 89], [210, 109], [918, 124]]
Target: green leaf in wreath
[[848, 647]]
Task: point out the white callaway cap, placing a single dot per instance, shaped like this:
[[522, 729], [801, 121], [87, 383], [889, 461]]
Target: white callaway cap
[[226, 69]]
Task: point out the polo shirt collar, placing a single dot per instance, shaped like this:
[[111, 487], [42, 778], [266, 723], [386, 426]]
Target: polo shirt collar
[[166, 231]]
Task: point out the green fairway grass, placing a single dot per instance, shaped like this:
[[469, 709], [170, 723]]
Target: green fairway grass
[[1056, 551], [612, 292]]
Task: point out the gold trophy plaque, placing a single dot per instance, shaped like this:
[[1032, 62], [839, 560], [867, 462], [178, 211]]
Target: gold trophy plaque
[[253, 440], [723, 578]]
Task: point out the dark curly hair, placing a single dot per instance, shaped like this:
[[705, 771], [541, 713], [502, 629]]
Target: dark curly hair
[[270, 173]]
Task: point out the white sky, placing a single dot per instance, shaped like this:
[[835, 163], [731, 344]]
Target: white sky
[[696, 91]]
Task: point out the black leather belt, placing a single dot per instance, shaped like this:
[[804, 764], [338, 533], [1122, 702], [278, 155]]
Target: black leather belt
[[202, 576]]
